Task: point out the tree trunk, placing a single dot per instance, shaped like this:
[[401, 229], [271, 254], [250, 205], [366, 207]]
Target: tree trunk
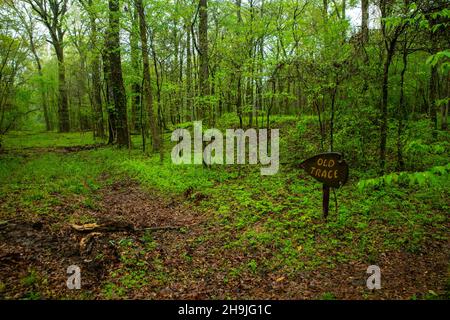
[[384, 110], [52, 14], [239, 71], [96, 90], [97, 97], [239, 99], [63, 104], [147, 88], [135, 65], [365, 20], [109, 97], [444, 108], [433, 97], [41, 82], [402, 113], [344, 9], [390, 45], [203, 48], [325, 9], [118, 89], [189, 72]]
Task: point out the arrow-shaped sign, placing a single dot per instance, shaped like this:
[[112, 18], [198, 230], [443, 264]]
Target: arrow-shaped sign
[[329, 168]]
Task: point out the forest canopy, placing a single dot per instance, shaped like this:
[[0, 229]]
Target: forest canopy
[[130, 67]]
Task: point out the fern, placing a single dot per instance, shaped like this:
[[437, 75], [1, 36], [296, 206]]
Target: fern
[[421, 179]]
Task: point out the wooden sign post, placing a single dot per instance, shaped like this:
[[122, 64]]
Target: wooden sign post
[[326, 200], [330, 169]]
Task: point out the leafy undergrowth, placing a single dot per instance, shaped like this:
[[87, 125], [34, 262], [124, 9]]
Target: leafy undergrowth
[[265, 229], [24, 139]]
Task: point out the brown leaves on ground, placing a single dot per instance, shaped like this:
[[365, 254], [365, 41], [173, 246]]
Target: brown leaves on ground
[[189, 251]]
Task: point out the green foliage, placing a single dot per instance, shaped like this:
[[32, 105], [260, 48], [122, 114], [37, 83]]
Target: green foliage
[[328, 296], [278, 219], [438, 57], [31, 139], [39, 182], [289, 65], [420, 179], [30, 279]]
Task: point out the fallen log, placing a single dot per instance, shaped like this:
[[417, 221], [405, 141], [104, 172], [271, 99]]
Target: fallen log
[[117, 226], [105, 227], [87, 242]]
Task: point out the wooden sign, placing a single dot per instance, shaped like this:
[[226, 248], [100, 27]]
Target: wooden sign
[[330, 169]]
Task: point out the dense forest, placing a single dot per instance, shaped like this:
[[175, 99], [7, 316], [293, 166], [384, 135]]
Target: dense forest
[[91, 91]]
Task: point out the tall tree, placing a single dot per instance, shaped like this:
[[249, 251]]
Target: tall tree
[[203, 48], [365, 20], [96, 87], [147, 86], [189, 104], [29, 25], [109, 96], [118, 88], [52, 14], [390, 38], [136, 67], [239, 66]]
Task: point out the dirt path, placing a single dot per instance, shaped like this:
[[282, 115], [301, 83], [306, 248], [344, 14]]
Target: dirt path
[[181, 254], [58, 149]]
